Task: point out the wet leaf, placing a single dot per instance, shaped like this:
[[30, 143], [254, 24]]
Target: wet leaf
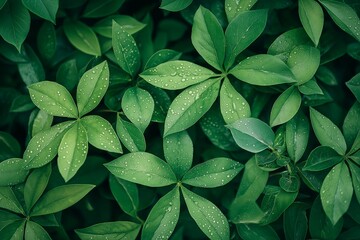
[[234, 8], [131, 137], [322, 158], [312, 18], [12, 171], [130, 25]]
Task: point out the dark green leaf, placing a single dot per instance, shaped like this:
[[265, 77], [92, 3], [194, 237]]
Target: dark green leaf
[[190, 105], [177, 74], [263, 70], [351, 234], [131, 136], [32, 70], [142, 168], [162, 56], [60, 198], [268, 160], [326, 75], [9, 201], [208, 38], [46, 40], [9, 146], [252, 134], [310, 87], [82, 37], [95, 9], [354, 85], [295, 222], [45, 9], [35, 231], [297, 135], [289, 182], [255, 231], [312, 18], [7, 218], [67, 74], [22, 103], [101, 134], [336, 192], [174, 5], [206, 215], [13, 231], [351, 125], [162, 102], [163, 217], [234, 7], [12, 171], [355, 175], [322, 158]]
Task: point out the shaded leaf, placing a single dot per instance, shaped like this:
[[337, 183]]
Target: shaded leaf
[[174, 5], [35, 231], [12, 171], [255, 231], [131, 137], [130, 24], [45, 9], [9, 201], [322, 158], [95, 9]]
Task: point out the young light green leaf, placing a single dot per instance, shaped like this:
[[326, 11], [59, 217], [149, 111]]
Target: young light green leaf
[[9, 201], [295, 222], [242, 31], [263, 70], [174, 5], [207, 216], [312, 19], [256, 231], [304, 61], [14, 230], [125, 49], [138, 107], [178, 151], [45, 9], [92, 88], [177, 74], [297, 136], [327, 132], [233, 7], [336, 192], [233, 106], [35, 185], [17, 19], [43, 147], [321, 158], [126, 194], [354, 85], [190, 105], [46, 40], [101, 134], [53, 98], [142, 168], [344, 16], [95, 9], [208, 38], [130, 25], [351, 125], [215, 172], [285, 106], [12, 171], [252, 134], [110, 230], [131, 136], [82, 37], [72, 151], [35, 231], [163, 217], [311, 87], [31, 71], [60, 198]]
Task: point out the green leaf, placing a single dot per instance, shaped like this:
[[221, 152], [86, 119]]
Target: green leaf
[[263, 70], [7, 218], [13, 231], [234, 8], [289, 182], [285, 106], [35, 185], [312, 19], [310, 88], [174, 5], [60, 198], [322, 158], [268, 160], [126, 194], [162, 56], [9, 201], [255, 231], [351, 126], [35, 231], [304, 61], [295, 222], [125, 49], [43, 147], [46, 41], [344, 16], [354, 85], [163, 217], [2, 3], [17, 19], [233, 106], [245, 211], [142, 168], [82, 37], [208, 38], [31, 71], [21, 103], [41, 121], [215, 172], [68, 74], [95, 9], [252, 134], [190, 105], [45, 9], [53, 98], [178, 152], [138, 107], [12, 172], [297, 136], [9, 146], [129, 24], [355, 175], [351, 234], [101, 134], [243, 30], [177, 74], [109, 230], [73, 150], [327, 132], [275, 202], [207, 216], [132, 138], [336, 192], [162, 102]]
